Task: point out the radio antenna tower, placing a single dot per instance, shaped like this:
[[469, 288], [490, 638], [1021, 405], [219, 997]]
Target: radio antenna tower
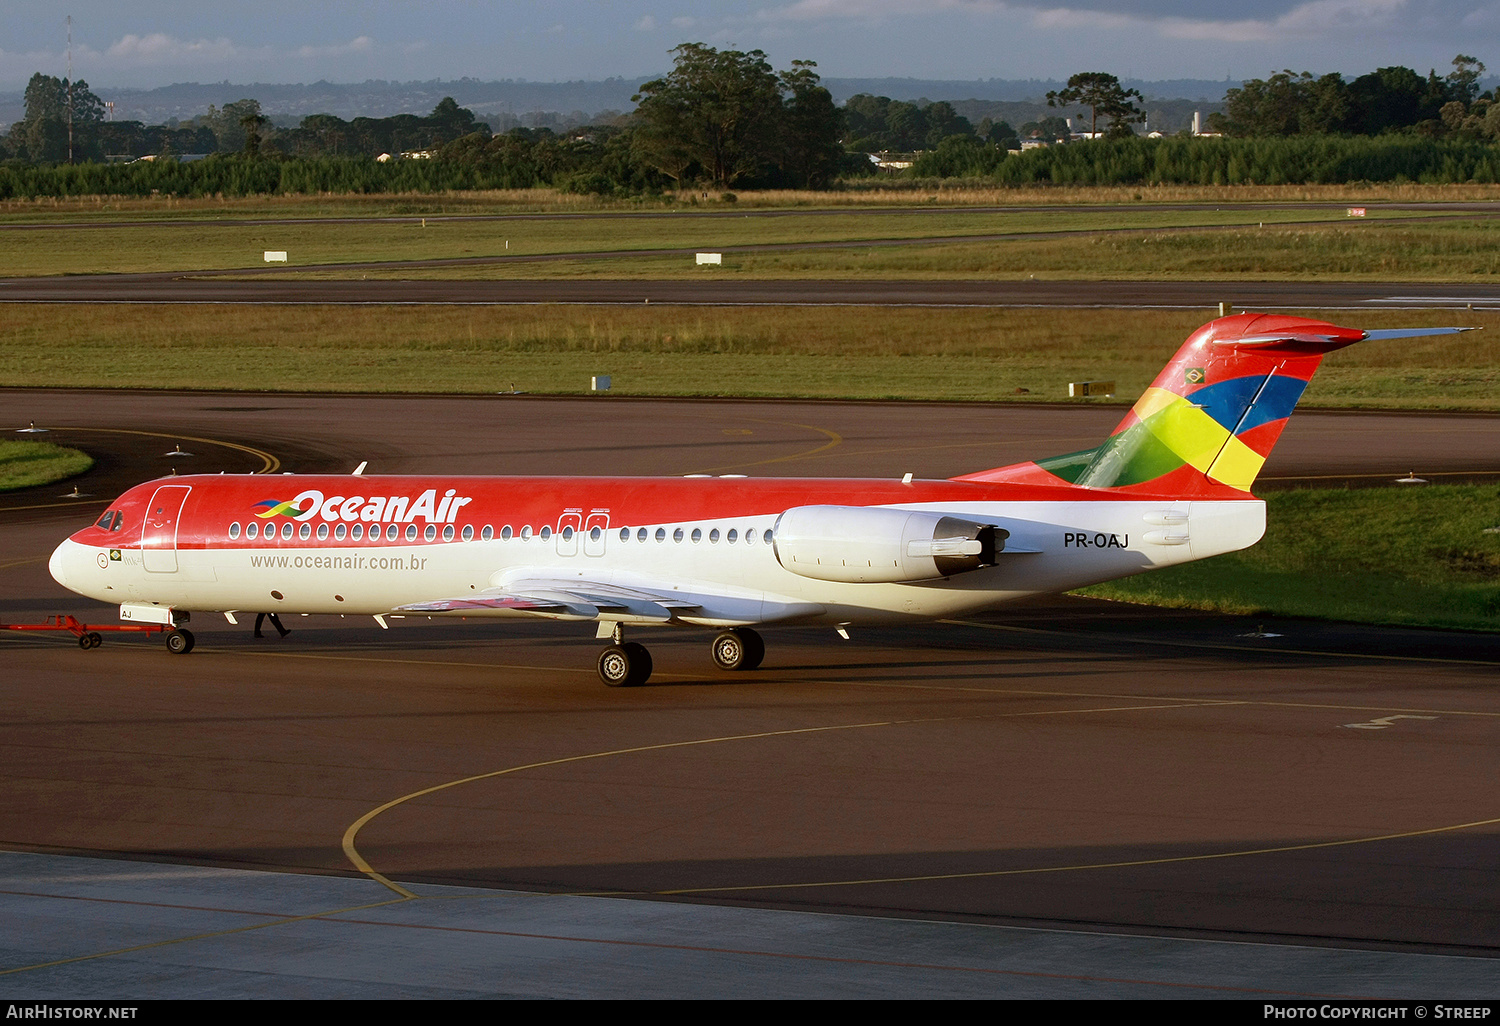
[[70, 89]]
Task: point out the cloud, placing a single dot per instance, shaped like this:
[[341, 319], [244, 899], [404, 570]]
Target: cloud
[[869, 10], [1253, 20], [158, 48], [646, 24], [359, 44]]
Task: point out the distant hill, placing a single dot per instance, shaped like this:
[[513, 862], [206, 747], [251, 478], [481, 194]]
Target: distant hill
[[568, 101], [1013, 90]]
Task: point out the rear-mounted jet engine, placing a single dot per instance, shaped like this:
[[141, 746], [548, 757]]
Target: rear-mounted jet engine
[[875, 545]]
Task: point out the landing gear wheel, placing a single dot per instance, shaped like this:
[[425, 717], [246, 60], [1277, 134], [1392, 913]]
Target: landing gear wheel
[[625, 666], [180, 641], [755, 649], [738, 649], [95, 639], [85, 642]]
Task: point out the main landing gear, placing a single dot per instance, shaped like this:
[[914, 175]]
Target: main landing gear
[[738, 649], [627, 663]]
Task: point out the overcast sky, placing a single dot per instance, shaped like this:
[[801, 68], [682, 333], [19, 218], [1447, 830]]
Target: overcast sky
[[145, 43]]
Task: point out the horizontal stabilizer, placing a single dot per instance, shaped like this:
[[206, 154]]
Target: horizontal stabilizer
[[1335, 338], [1382, 333]]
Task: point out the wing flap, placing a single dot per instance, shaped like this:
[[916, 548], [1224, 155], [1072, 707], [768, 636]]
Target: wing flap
[[580, 598]]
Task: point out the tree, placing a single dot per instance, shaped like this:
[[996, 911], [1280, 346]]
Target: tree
[[812, 153], [451, 120], [1388, 98], [1102, 94], [252, 123], [1288, 104], [44, 132], [942, 122], [718, 110], [228, 123], [1463, 80]]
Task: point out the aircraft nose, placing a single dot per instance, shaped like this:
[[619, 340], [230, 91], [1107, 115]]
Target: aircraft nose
[[56, 565]]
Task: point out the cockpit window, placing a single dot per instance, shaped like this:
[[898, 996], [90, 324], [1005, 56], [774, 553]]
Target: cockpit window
[[112, 520], [104, 521]]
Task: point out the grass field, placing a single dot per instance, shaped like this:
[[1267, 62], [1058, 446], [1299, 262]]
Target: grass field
[[1461, 251], [873, 194], [1421, 556], [28, 464], [203, 245], [823, 352]]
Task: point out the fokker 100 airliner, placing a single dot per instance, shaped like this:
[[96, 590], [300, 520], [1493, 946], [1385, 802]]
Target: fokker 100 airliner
[[1171, 484]]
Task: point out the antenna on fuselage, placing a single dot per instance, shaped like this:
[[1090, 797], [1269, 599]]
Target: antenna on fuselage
[[361, 468]]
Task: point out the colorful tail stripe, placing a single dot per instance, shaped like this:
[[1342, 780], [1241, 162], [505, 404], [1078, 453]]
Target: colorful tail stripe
[[1205, 430], [1214, 413], [1207, 423]]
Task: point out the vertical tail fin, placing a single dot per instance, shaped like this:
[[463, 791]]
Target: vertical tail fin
[[1209, 420]]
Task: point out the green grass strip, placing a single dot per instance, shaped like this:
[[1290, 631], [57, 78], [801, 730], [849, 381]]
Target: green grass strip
[[28, 464], [813, 352], [1411, 555]]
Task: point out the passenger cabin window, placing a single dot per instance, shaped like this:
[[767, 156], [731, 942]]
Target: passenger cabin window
[[339, 531], [448, 533], [640, 535], [286, 531], [411, 532], [252, 529], [661, 534], [468, 532], [234, 531], [430, 534], [545, 533], [733, 536], [392, 532], [357, 531], [625, 534], [322, 532], [304, 532], [697, 535], [677, 535]]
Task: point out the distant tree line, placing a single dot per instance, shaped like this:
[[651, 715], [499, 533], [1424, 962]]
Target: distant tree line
[[1292, 160], [1395, 99], [728, 119]]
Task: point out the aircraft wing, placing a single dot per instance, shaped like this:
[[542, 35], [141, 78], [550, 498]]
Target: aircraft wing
[[641, 601], [554, 597]]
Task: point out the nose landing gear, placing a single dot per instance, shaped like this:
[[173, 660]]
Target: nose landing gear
[[179, 641]]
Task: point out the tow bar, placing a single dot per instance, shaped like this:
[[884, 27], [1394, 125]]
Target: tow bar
[[179, 641]]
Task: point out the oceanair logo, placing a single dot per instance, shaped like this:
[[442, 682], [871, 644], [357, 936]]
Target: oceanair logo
[[372, 509]]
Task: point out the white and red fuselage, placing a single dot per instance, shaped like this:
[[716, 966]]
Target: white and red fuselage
[[725, 551]]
